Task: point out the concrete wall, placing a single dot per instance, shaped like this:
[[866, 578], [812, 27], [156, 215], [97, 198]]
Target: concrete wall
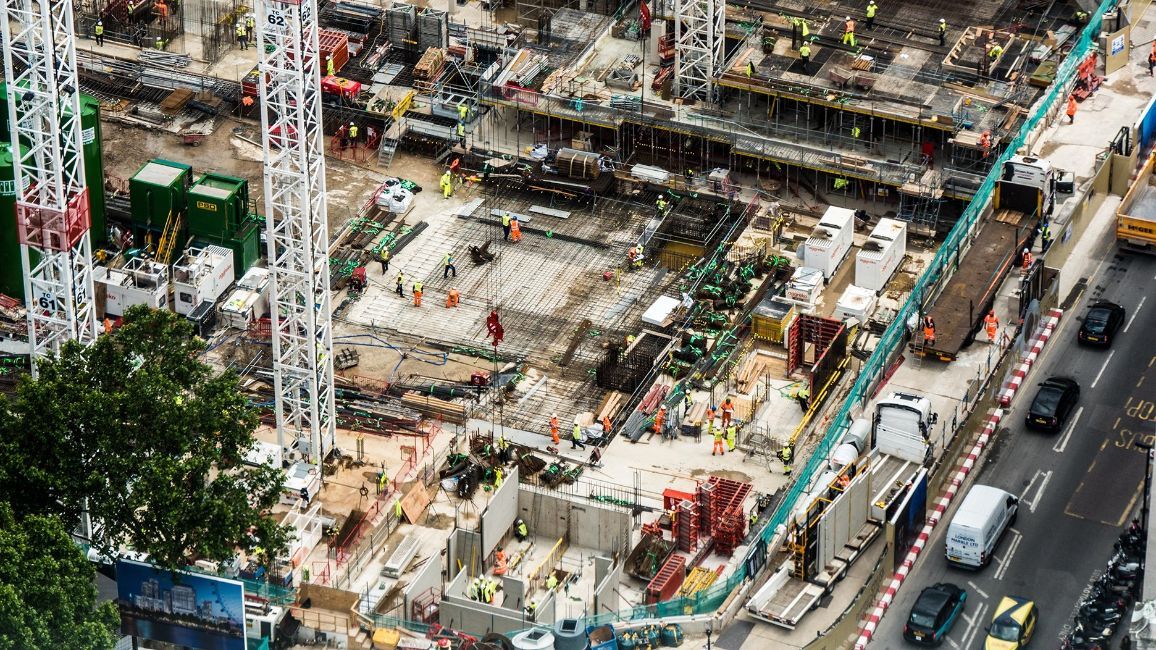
[[464, 552], [499, 515], [589, 524], [607, 577], [459, 612], [429, 577]]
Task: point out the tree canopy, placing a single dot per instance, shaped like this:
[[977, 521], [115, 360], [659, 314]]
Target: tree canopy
[[145, 435], [47, 594]]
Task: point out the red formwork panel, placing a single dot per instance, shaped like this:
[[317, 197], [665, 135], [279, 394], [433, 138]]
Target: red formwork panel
[[686, 530], [672, 497], [667, 581], [727, 496], [332, 43]]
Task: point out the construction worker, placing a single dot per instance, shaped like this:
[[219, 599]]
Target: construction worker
[[353, 135], [576, 437], [497, 478], [554, 428], [506, 219], [503, 449], [710, 413], [242, 36], [732, 437], [474, 591], [417, 286], [452, 298], [718, 440], [659, 419], [805, 56], [750, 69], [460, 131], [330, 69], [448, 267], [499, 562], [660, 205], [552, 581], [942, 32], [131, 10], [728, 410], [531, 608], [98, 31], [383, 257], [803, 397], [785, 457], [397, 512], [400, 284], [488, 591], [515, 231], [849, 32], [159, 43], [994, 51], [985, 143], [1071, 111], [463, 112], [447, 184], [521, 533], [1045, 237], [1026, 260], [928, 330], [606, 426], [754, 517], [871, 9], [991, 325]]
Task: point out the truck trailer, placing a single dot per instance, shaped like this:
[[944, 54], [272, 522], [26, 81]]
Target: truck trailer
[[1136, 216]]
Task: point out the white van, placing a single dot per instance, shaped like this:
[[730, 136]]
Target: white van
[[978, 525]]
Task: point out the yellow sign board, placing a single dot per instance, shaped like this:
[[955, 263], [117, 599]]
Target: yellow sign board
[[403, 105], [205, 205]]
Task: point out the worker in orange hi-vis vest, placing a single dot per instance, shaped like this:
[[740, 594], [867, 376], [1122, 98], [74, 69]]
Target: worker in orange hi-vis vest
[[991, 325], [1026, 257], [1071, 112], [417, 290], [728, 410], [515, 230], [606, 425], [554, 428], [452, 298], [659, 419], [718, 440]]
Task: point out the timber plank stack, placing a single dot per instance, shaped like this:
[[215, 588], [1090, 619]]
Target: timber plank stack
[[431, 406]]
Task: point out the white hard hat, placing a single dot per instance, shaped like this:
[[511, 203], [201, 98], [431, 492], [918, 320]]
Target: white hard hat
[[848, 18], [943, 20]]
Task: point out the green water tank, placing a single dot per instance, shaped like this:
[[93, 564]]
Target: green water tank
[[218, 206], [93, 166]]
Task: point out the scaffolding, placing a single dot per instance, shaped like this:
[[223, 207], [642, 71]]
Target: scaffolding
[[700, 37]]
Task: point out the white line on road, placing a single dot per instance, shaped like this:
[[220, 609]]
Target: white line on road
[[1062, 443], [972, 627], [1103, 368], [1040, 493], [1007, 557], [1028, 487], [953, 643], [1136, 311], [976, 589]]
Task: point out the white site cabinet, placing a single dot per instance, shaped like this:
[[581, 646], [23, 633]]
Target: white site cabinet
[[202, 275], [249, 301], [831, 240], [139, 282], [856, 302], [881, 254]]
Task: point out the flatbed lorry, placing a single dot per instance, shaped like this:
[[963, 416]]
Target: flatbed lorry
[[1136, 216], [1024, 194]]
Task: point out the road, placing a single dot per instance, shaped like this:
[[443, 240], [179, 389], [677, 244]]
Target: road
[[1078, 487]]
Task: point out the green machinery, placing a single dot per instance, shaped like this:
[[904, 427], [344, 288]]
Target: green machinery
[[219, 214], [11, 270]]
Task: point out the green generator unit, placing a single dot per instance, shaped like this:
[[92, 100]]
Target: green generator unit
[[159, 188], [218, 206], [245, 244]]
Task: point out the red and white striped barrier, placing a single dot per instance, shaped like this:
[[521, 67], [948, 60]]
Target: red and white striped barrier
[[1047, 326], [993, 419]]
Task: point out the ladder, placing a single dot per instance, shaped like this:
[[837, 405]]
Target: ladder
[[390, 141], [169, 238]]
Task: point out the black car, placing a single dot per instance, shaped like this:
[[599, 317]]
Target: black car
[[934, 613], [1053, 403], [1101, 323]]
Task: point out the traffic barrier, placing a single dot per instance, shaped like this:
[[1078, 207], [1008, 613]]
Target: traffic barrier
[[1021, 370]]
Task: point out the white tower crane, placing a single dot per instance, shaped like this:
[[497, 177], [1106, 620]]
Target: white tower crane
[[296, 222], [699, 34], [52, 201]]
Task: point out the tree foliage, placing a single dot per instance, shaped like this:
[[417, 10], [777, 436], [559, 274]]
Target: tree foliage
[[141, 431], [47, 594]]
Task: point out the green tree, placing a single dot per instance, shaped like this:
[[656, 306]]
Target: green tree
[[138, 429], [47, 594]]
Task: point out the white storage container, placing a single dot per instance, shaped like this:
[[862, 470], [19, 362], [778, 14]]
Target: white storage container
[[202, 275], [881, 254], [139, 282], [804, 288], [831, 240], [856, 302]]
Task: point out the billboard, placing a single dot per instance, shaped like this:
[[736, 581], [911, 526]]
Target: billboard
[[186, 609]]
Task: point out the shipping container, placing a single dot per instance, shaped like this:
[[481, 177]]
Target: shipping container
[[202, 275], [139, 282], [218, 206], [831, 240], [881, 254]]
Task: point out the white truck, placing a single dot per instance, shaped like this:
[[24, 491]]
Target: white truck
[[902, 426]]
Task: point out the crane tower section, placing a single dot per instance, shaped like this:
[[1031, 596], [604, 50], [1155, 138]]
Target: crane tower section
[[52, 213], [699, 34], [296, 222]]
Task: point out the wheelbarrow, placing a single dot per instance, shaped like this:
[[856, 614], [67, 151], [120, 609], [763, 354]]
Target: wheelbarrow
[[193, 138]]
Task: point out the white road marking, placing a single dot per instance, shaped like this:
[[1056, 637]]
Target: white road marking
[[1040, 493], [1136, 311], [972, 626], [953, 643], [976, 589], [1103, 368], [1062, 443], [1007, 557], [1028, 487]]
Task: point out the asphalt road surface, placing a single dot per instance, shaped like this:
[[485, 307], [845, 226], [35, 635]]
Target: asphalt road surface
[[1077, 487]]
